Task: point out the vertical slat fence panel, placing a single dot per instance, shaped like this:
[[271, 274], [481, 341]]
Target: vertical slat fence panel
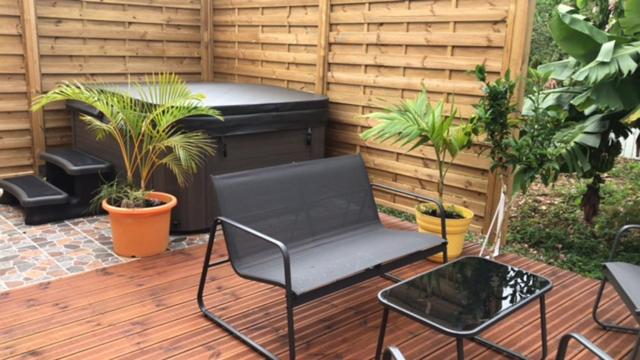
[[16, 141], [370, 54], [381, 51], [114, 40], [34, 81], [268, 41]]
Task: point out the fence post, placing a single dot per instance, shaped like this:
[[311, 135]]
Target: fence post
[[516, 59], [206, 46], [34, 80], [322, 46]]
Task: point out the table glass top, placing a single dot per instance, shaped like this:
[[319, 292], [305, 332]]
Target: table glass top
[[463, 295]]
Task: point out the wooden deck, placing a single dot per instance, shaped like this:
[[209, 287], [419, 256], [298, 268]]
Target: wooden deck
[[147, 310]]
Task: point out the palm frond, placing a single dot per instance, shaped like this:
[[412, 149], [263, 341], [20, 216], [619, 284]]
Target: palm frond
[[416, 122], [143, 119]]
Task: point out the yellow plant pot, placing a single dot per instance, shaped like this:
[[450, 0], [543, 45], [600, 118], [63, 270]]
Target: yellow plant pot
[[456, 229]]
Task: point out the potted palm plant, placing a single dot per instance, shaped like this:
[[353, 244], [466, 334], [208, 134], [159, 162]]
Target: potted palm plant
[[416, 123], [147, 133]]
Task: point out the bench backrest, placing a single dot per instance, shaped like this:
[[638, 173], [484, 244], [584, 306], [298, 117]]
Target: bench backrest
[[297, 203]]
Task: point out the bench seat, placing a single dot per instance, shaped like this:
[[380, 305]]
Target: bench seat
[[319, 262]]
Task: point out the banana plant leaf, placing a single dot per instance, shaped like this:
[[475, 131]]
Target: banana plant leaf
[[576, 36], [630, 23], [612, 61], [633, 117], [560, 70]]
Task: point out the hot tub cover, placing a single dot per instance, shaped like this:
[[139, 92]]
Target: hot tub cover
[[246, 108]]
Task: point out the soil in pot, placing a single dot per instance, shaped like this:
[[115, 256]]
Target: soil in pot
[[450, 212]]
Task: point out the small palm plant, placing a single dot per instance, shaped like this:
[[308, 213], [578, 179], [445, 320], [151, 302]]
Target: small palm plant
[[415, 123], [143, 122]]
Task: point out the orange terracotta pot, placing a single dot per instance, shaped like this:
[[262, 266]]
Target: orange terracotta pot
[[144, 231]]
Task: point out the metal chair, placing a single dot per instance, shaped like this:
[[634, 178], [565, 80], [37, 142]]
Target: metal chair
[[625, 279]]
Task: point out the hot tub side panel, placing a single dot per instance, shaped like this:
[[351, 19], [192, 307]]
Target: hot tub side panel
[[234, 152], [196, 210]]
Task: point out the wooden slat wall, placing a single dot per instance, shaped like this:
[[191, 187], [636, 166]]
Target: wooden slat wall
[[15, 122], [370, 53], [43, 42], [112, 40], [381, 51], [266, 41]]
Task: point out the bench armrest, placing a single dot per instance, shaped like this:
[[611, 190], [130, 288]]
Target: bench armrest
[[284, 251], [616, 241], [443, 217], [564, 344]]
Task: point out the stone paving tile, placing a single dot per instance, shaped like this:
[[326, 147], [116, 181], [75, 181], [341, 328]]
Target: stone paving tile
[[70, 248], [184, 241], [95, 227], [22, 262], [32, 254], [12, 214]]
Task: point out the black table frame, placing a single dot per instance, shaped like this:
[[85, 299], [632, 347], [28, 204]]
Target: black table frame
[[474, 334]]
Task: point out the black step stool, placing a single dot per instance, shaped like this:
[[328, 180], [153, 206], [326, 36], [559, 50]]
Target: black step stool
[[72, 178]]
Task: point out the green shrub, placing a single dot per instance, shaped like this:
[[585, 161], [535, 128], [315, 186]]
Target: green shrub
[[547, 224]]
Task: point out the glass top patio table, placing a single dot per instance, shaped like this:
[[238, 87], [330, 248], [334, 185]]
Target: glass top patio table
[[464, 297]]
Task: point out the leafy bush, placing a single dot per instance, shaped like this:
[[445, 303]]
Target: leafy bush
[[547, 224]]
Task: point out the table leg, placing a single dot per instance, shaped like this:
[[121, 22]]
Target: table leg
[[460, 347], [543, 326], [383, 327], [513, 354]]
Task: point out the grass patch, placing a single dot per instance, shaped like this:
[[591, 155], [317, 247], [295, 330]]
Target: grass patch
[[547, 224], [397, 213]]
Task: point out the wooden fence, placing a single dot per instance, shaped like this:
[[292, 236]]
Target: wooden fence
[[367, 54], [43, 42], [363, 54]]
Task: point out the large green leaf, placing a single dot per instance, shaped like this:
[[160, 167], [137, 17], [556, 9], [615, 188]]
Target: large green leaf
[[559, 70], [630, 23], [576, 36], [632, 117], [612, 61], [587, 133], [573, 143]]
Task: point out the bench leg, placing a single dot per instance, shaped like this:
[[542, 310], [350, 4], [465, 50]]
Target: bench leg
[[217, 320], [459, 348], [383, 328], [604, 325], [291, 328]]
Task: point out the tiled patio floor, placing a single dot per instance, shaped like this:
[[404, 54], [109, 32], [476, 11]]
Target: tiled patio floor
[[33, 254]]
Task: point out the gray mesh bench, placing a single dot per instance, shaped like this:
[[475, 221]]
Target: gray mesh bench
[[311, 228]]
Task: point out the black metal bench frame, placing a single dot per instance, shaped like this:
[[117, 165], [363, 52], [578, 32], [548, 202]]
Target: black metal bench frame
[[292, 299]]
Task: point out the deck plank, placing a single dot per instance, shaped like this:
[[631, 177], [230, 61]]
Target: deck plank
[[147, 310]]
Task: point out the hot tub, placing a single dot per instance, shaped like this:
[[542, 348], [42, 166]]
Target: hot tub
[[263, 126]]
